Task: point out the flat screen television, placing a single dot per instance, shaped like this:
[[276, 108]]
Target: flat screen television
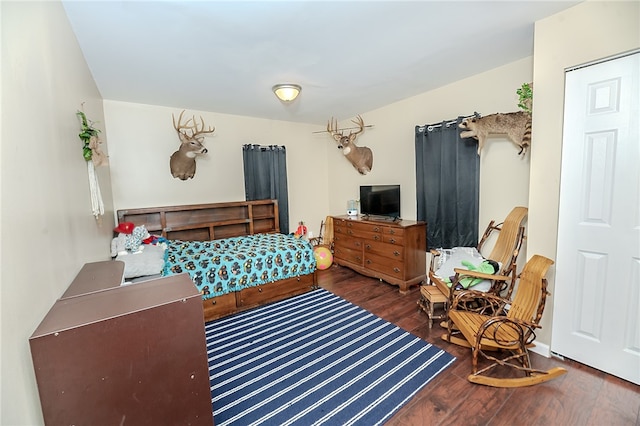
[[380, 200]]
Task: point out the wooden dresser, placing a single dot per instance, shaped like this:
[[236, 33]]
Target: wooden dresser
[[391, 251], [108, 354]]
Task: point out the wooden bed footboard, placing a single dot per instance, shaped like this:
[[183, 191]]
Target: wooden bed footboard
[[252, 297], [204, 222]]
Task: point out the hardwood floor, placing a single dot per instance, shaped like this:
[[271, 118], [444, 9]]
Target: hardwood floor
[[583, 396]]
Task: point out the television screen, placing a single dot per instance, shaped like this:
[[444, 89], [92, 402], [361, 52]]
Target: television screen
[[380, 200]]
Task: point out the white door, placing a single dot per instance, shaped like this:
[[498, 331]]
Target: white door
[[596, 319]]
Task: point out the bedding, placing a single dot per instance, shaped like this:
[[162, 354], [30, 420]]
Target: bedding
[[227, 265], [148, 260], [456, 258]]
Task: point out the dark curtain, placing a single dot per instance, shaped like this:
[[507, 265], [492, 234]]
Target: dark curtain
[[447, 185], [265, 177]]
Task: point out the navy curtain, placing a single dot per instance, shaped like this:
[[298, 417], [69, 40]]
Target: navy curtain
[[447, 185], [265, 177]]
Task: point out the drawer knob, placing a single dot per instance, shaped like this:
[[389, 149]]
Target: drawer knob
[[368, 261], [350, 232], [368, 246], [392, 240], [396, 270], [356, 243], [358, 258], [376, 237], [376, 229], [396, 253], [260, 290], [392, 231]]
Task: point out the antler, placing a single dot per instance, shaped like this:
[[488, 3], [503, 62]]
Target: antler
[[332, 128], [358, 122], [194, 128]]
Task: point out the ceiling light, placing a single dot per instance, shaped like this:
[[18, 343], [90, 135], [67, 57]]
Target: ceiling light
[[287, 92]]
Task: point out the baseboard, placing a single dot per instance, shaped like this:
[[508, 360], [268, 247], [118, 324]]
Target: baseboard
[[541, 349]]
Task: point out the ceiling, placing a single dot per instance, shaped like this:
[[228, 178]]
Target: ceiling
[[350, 57]]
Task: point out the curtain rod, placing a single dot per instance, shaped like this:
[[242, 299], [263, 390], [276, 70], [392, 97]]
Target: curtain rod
[[431, 127]]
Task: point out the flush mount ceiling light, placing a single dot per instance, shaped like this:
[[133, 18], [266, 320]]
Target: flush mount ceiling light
[[286, 92]]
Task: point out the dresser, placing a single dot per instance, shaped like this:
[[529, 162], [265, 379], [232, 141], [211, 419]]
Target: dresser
[[393, 251], [108, 354]]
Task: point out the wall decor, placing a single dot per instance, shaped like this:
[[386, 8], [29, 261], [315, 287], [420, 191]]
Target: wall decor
[[361, 157], [94, 157], [191, 134]]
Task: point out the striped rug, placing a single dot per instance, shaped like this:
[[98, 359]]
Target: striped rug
[[314, 359]]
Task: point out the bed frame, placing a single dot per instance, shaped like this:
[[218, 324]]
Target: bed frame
[[203, 222]]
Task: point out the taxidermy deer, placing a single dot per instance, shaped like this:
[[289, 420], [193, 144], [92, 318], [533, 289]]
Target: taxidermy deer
[[360, 157], [183, 161], [516, 125]]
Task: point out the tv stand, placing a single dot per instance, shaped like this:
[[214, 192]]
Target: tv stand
[[390, 250]]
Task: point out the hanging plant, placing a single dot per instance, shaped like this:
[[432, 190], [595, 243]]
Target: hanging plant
[[86, 133], [525, 93], [94, 157]]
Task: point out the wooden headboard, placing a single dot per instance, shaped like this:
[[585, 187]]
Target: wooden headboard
[[203, 222]]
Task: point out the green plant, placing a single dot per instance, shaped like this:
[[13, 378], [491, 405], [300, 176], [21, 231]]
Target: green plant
[[85, 135], [525, 93]]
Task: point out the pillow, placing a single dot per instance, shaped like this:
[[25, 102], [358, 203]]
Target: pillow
[[148, 261]]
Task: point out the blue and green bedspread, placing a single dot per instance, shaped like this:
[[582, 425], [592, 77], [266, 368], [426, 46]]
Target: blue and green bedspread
[[222, 266]]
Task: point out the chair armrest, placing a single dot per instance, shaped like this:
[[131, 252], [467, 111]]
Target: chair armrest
[[476, 274], [479, 302], [494, 326]]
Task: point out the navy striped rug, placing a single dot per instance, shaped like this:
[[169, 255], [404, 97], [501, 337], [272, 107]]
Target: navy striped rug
[[314, 359]]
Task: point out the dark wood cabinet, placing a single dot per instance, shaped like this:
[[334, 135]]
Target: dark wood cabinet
[[393, 251], [134, 354]]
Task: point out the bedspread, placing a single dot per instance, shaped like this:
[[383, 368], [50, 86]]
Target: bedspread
[[222, 266]]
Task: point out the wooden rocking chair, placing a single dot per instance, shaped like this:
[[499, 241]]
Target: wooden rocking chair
[[506, 336], [505, 252], [325, 236]]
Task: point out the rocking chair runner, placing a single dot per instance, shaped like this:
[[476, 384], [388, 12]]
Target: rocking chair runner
[[505, 252], [509, 334]]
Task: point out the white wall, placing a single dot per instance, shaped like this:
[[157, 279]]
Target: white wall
[[598, 29], [142, 138], [48, 230]]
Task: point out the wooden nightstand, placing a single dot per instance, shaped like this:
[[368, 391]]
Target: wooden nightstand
[[430, 295]]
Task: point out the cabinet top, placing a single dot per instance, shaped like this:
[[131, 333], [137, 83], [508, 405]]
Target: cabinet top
[[383, 222], [96, 306]]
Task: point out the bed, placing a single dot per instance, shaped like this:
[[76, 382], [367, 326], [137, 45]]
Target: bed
[[233, 252]]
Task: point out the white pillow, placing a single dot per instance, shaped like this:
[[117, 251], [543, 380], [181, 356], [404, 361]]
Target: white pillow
[[148, 261]]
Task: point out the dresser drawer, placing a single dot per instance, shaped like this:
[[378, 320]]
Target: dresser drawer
[[384, 250], [347, 242], [348, 255], [384, 265]]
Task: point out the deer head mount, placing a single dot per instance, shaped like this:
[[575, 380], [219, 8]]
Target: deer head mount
[[191, 134], [360, 157]]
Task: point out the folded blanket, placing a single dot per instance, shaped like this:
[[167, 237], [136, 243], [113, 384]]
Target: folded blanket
[[486, 267]]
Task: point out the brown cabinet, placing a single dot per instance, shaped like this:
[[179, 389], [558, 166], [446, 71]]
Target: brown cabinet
[[393, 251], [107, 354]]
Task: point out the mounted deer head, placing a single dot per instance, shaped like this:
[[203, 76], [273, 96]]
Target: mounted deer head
[[183, 161], [360, 157]]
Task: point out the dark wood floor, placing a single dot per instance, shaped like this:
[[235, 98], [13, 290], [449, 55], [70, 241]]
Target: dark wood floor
[[584, 396]]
